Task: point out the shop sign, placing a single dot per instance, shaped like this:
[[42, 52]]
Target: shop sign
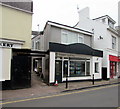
[[114, 58], [5, 44]]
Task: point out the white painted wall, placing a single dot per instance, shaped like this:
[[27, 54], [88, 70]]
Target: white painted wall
[[99, 61], [100, 29], [52, 68], [5, 64], [1, 55]]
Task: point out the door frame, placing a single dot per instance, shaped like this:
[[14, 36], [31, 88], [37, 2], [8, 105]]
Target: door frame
[[61, 70]]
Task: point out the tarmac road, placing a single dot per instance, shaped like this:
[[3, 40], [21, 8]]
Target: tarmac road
[[106, 96]]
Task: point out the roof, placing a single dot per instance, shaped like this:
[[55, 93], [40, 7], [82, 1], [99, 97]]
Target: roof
[[36, 33], [107, 17], [23, 5], [68, 27]]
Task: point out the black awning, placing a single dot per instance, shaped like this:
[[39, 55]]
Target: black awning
[[77, 48]]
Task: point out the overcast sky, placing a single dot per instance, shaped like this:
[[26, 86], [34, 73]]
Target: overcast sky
[[65, 11]]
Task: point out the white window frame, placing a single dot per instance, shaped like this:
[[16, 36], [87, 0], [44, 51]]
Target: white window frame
[[97, 68], [67, 34], [64, 32], [114, 43]]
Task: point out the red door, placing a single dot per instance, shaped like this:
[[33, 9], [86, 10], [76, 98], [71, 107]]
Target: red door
[[111, 70]]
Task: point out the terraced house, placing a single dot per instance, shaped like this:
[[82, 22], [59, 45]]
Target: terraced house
[[15, 35], [106, 38]]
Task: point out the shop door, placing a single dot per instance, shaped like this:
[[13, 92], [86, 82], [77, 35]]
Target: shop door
[[111, 70], [58, 71], [21, 72], [65, 68]]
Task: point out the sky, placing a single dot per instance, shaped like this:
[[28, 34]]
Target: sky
[[65, 11]]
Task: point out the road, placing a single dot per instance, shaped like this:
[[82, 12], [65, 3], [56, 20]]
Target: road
[[106, 96]]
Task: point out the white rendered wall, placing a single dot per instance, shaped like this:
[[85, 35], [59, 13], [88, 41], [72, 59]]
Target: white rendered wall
[[99, 61], [52, 68], [100, 29], [5, 64], [1, 64]]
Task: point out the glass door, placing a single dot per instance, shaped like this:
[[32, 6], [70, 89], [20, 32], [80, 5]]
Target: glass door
[[58, 70], [65, 68]]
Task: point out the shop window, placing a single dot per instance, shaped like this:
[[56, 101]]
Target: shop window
[[87, 68], [77, 68], [96, 68]]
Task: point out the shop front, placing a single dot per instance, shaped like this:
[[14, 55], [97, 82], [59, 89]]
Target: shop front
[[114, 66], [75, 68], [76, 61]]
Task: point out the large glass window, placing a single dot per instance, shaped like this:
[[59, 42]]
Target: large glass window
[[77, 68], [69, 37], [72, 38], [96, 67], [64, 37], [87, 68]]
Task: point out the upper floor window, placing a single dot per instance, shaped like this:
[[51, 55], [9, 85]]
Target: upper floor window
[[32, 44], [110, 24], [113, 42], [37, 45], [68, 37]]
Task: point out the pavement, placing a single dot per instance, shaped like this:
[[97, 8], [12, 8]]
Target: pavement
[[95, 97], [41, 89]]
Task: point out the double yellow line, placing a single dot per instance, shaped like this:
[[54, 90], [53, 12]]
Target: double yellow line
[[57, 95]]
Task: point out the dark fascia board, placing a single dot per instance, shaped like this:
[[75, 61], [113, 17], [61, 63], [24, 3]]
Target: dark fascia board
[[29, 51], [105, 16], [77, 48], [69, 27]]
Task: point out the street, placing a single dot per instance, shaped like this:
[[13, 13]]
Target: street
[[106, 96]]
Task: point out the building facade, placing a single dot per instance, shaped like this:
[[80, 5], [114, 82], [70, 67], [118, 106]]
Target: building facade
[[69, 53], [15, 32], [119, 31], [105, 38]]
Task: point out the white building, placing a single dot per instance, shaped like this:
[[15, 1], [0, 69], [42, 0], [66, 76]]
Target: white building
[[105, 38]]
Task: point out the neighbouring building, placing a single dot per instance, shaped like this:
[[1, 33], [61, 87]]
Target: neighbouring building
[[119, 32], [105, 38], [15, 36], [69, 53]]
